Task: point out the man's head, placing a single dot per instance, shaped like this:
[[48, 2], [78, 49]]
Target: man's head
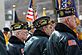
[[67, 16], [6, 29], [44, 24], [21, 34], [20, 30], [70, 21]]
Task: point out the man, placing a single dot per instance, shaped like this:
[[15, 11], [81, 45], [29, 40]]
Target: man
[[63, 40], [6, 34], [16, 42], [37, 43], [3, 50]]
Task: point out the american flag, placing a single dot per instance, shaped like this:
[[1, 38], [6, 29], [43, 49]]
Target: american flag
[[72, 42], [30, 13]]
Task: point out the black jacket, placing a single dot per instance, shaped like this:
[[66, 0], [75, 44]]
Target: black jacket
[[63, 42], [2, 39], [36, 44], [15, 46], [3, 50]]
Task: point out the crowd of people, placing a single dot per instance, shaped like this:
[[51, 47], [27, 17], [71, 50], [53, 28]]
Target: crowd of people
[[48, 37]]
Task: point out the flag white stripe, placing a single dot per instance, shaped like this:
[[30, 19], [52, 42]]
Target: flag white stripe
[[30, 9], [29, 16], [30, 13]]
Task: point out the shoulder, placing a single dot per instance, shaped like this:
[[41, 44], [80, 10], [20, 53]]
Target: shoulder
[[55, 33], [36, 40], [60, 34], [57, 36]]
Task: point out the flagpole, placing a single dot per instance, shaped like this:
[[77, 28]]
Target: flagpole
[[59, 1], [33, 4], [54, 9], [14, 6], [78, 7]]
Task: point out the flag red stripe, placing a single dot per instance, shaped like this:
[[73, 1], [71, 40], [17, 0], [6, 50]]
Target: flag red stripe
[[29, 19], [29, 11], [30, 14]]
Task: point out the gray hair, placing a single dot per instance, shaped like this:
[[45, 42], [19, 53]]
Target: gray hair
[[62, 19], [15, 32]]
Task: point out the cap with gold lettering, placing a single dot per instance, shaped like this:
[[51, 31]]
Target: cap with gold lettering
[[19, 26], [42, 21], [66, 12]]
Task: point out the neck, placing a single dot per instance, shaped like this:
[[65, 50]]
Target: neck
[[67, 25], [46, 32], [20, 38]]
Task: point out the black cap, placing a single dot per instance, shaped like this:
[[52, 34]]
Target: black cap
[[19, 26], [66, 12], [42, 21], [6, 29]]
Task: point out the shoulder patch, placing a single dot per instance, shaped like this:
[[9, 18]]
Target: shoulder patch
[[72, 42]]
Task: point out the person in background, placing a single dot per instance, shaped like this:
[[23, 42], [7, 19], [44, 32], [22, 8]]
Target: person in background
[[3, 50], [37, 43], [6, 34], [16, 42], [63, 40]]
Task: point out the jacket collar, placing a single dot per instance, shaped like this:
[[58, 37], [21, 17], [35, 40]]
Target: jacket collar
[[40, 33], [63, 28], [2, 39], [15, 40]]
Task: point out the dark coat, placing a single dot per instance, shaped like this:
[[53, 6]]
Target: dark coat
[[2, 39], [3, 50], [63, 42], [36, 44], [15, 45]]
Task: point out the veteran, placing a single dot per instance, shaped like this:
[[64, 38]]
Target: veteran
[[37, 43]]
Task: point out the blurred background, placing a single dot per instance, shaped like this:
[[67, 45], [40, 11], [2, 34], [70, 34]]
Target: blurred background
[[22, 7]]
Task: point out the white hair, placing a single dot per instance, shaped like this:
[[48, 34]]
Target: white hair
[[15, 32], [61, 20]]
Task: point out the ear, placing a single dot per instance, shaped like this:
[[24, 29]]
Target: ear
[[44, 27], [17, 33], [66, 20]]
